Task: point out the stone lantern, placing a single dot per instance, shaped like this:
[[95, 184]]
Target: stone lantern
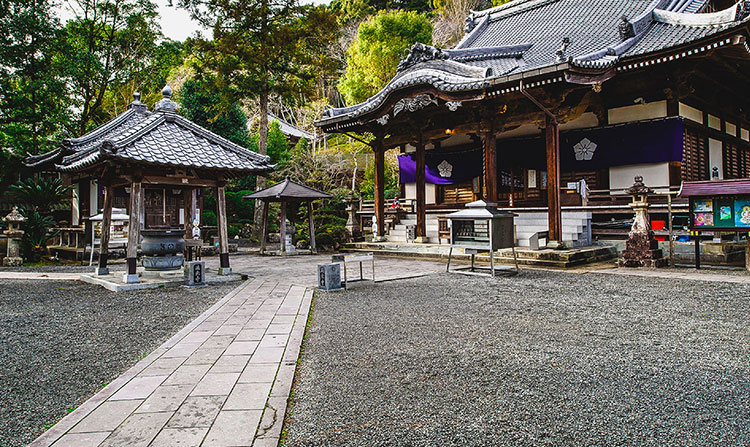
[[14, 233], [641, 249]]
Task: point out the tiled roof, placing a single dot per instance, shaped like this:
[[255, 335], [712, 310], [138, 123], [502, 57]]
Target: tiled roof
[[161, 138], [288, 190], [525, 35], [290, 129]]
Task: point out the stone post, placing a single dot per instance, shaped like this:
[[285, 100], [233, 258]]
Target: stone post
[[14, 233], [642, 250]]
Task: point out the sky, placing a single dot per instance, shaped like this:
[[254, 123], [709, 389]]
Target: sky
[[175, 22]]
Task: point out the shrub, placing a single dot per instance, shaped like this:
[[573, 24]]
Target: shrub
[[37, 231], [208, 218]]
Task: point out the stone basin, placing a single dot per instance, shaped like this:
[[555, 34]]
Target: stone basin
[[162, 249]]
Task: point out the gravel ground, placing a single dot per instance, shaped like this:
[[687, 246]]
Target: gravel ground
[[544, 358], [64, 341]]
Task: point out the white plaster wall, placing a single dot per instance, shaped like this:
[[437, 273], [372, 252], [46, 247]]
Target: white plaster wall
[[521, 131], [715, 158], [637, 112], [456, 140], [75, 207], [714, 122], [584, 121], [411, 191], [745, 134], [690, 113], [655, 174], [430, 192], [93, 198], [731, 129]]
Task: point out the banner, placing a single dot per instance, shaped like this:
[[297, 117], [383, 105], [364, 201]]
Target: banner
[[442, 168], [644, 142]]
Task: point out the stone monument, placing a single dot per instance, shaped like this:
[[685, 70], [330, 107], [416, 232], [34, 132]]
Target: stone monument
[[14, 233], [641, 249]]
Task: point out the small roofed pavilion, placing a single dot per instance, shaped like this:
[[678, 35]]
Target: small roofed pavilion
[[285, 192], [142, 148]]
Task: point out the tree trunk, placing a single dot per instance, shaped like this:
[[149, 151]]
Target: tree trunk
[[263, 150]]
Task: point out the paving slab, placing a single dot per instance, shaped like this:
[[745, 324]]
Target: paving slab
[[224, 379]]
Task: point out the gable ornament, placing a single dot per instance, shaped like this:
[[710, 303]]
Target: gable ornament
[[414, 103], [420, 52], [453, 105]]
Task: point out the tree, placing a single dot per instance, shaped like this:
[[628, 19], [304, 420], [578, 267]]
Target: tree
[[373, 57], [33, 102], [265, 47], [200, 100], [106, 43], [450, 20]]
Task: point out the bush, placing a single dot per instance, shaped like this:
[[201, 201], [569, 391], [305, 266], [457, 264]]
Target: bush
[[37, 231], [208, 218]]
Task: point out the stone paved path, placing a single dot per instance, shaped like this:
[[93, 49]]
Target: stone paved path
[[224, 379], [40, 275]]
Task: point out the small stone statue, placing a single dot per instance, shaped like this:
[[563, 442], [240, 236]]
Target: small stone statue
[[196, 229], [375, 226]]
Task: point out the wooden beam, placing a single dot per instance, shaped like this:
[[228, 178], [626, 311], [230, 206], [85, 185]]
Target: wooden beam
[[264, 226], [421, 223], [134, 229], [313, 248], [221, 207], [188, 198], [379, 184], [552, 140], [104, 236], [489, 149], [282, 228]]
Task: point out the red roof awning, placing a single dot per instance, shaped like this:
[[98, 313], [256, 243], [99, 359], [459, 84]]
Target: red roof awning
[[715, 187]]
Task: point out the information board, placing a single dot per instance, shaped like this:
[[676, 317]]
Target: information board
[[720, 213]]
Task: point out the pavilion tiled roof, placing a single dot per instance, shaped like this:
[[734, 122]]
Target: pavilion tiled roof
[[524, 36], [162, 138], [288, 190]]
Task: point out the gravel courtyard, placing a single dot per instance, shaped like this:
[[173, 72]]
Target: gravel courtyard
[[544, 358], [64, 341]]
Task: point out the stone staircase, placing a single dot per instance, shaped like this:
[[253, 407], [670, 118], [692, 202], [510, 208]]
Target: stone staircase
[[576, 228], [398, 232]]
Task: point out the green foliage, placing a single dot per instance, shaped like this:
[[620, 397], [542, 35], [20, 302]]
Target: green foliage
[[372, 58], [200, 100], [499, 2], [278, 144], [37, 231], [44, 194], [33, 96], [208, 218], [265, 48], [392, 188], [238, 208], [359, 9], [105, 45]]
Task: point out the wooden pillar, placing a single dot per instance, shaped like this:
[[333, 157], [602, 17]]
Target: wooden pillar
[[134, 229], [421, 224], [188, 197], [282, 228], [264, 226], [379, 186], [552, 137], [489, 150], [221, 207], [312, 227], [104, 237]]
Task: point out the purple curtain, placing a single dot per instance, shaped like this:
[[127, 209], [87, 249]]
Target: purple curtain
[[442, 168], [643, 142]]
